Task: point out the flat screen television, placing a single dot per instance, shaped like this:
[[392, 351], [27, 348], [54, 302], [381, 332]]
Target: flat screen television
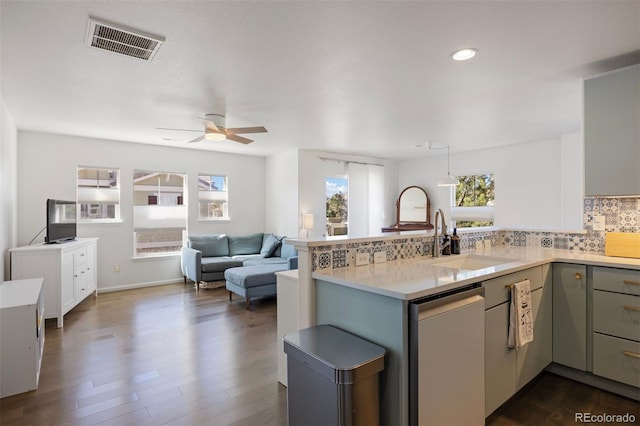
[[61, 221]]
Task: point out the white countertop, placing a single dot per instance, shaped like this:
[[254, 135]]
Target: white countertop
[[414, 278]]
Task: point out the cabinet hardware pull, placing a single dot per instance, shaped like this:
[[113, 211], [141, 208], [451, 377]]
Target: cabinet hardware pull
[[631, 282], [578, 276], [631, 354], [632, 308]]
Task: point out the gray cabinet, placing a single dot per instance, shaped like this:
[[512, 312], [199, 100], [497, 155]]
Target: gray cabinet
[[570, 315], [508, 370], [616, 324], [535, 356], [612, 133]]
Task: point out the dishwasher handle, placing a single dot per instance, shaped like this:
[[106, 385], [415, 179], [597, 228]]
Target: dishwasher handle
[[458, 298]]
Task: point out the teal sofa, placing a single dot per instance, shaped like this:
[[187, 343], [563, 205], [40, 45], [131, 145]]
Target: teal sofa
[[207, 257]]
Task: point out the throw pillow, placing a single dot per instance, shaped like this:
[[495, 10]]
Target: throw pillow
[[288, 251], [269, 245]]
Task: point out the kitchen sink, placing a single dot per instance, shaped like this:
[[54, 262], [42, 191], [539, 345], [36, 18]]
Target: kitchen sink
[[472, 262]]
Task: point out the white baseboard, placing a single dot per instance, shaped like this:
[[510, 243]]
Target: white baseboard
[[141, 285]]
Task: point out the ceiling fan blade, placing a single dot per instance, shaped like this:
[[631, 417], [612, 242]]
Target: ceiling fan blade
[[236, 130], [211, 126], [198, 139], [237, 138], [178, 130]]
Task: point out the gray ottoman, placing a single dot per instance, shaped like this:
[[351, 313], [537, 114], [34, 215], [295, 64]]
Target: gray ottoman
[[252, 281]]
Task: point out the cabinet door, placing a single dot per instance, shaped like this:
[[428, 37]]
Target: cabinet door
[[500, 361], [536, 355], [67, 285], [570, 315], [91, 276], [612, 133]]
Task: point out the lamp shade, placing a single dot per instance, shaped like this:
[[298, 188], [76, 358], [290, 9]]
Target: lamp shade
[[307, 221], [448, 181]]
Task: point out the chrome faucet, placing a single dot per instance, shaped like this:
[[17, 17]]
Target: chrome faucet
[[443, 228]]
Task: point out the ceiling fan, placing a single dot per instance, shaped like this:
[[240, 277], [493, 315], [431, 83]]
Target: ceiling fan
[[215, 130]]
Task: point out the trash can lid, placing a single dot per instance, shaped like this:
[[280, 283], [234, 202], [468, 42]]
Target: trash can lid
[[339, 356]]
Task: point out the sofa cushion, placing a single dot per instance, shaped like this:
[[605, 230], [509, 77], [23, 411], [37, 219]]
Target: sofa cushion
[[253, 276], [288, 251], [269, 244], [265, 261], [244, 257], [210, 245], [246, 244], [219, 264]]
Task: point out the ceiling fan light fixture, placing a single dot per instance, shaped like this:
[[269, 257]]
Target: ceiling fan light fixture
[[464, 54], [215, 136]]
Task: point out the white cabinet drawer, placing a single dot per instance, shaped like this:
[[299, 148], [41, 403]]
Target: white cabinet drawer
[[616, 314], [615, 279], [80, 256], [616, 359]]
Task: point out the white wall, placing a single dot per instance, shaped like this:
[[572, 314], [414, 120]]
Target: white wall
[[281, 194], [8, 187], [528, 181], [47, 169], [311, 185], [572, 181]]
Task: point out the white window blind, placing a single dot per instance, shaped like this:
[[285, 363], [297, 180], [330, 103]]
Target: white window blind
[[366, 198]]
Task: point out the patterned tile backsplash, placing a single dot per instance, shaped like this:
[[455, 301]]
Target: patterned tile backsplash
[[621, 215]]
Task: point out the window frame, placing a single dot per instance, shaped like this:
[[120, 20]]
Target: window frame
[[225, 203], [177, 209], [475, 213], [106, 190]]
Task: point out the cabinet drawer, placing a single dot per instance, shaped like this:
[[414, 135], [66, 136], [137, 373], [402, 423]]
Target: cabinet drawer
[[615, 279], [616, 314], [80, 256], [497, 291], [616, 359]]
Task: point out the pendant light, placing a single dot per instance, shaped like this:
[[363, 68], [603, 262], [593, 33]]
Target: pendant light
[[448, 180]]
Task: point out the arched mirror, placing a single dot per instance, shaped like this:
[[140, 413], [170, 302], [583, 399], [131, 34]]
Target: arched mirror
[[413, 211]]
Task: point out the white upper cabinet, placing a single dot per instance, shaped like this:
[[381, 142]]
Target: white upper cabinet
[[612, 133]]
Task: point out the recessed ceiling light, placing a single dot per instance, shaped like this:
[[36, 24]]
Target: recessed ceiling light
[[464, 54]]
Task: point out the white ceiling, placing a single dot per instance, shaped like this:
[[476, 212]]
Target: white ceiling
[[371, 78]]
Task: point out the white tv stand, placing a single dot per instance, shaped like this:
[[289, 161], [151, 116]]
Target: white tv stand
[[68, 269]]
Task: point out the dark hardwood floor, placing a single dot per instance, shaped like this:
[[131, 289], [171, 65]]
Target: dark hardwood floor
[[169, 355]]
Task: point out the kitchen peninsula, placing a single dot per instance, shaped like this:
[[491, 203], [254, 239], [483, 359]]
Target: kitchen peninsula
[[372, 301]]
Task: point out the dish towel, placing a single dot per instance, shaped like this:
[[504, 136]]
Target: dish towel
[[520, 315]]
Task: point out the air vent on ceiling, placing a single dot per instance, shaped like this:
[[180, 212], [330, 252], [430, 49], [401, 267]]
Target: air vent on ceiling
[[121, 40]]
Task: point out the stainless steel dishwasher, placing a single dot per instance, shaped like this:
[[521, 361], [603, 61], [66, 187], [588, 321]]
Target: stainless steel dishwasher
[[446, 358]]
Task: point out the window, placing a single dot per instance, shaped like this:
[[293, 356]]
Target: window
[[336, 205], [213, 197], [98, 194], [159, 213], [474, 201]]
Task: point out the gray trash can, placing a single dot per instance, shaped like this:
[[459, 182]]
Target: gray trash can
[[332, 377]]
